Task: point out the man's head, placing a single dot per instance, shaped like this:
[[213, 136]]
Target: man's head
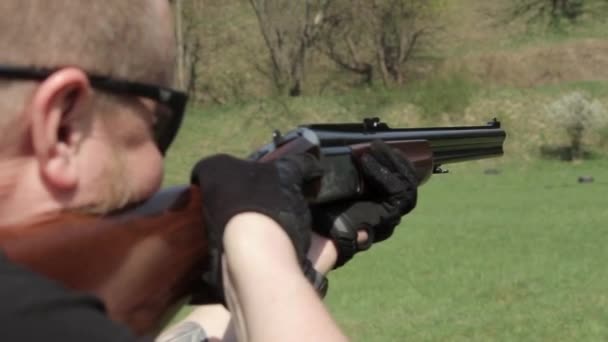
[[65, 141]]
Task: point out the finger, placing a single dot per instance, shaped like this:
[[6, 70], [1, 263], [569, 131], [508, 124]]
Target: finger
[[411, 203], [405, 167], [381, 178], [385, 231], [365, 238], [382, 152], [394, 160], [405, 201], [306, 167]]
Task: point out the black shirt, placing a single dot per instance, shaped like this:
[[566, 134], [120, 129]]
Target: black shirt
[[33, 308]]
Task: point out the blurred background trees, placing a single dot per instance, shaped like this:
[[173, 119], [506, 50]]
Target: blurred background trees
[[372, 37], [290, 29], [414, 62], [188, 42], [554, 13], [233, 50], [282, 43]]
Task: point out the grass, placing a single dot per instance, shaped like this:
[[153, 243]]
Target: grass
[[517, 256], [240, 128], [450, 94]]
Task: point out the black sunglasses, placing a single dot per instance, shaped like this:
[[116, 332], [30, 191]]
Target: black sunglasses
[[167, 122]]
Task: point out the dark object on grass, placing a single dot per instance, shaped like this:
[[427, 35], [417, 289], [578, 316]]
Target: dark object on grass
[[585, 179], [491, 172]]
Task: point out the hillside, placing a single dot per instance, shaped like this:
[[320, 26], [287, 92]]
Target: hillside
[[479, 44], [468, 36]]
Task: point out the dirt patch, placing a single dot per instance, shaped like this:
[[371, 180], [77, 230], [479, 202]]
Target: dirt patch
[[566, 62]]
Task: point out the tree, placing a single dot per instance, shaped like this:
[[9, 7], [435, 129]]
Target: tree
[[362, 36], [289, 29], [188, 43], [344, 38], [179, 33], [554, 12]]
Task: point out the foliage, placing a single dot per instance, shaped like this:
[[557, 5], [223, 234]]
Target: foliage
[[370, 37], [443, 95], [289, 29], [234, 63], [554, 13], [577, 114]]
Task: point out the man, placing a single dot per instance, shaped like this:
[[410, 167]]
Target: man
[[87, 114]]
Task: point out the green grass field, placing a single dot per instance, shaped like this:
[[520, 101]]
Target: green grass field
[[518, 256]]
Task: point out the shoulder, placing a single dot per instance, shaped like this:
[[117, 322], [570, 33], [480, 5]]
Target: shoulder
[[36, 308], [22, 288]]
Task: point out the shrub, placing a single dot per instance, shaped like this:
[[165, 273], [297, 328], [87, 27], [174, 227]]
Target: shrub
[[578, 114], [436, 96]]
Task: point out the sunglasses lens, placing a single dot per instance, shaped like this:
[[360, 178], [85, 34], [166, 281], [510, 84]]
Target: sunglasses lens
[[166, 126]]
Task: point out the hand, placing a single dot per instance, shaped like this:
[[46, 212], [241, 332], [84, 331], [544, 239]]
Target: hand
[[230, 186], [391, 184]]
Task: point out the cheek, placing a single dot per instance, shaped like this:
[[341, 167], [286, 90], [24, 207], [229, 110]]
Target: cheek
[[144, 169], [142, 163]]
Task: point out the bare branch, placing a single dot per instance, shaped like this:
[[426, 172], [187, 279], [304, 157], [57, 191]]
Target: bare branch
[[289, 29]]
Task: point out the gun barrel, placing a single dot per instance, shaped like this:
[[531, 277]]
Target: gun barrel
[[449, 145], [340, 144]]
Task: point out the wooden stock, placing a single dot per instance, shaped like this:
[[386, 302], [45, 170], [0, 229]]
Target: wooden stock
[[139, 264]]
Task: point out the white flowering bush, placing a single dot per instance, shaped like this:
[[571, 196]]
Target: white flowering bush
[[578, 114]]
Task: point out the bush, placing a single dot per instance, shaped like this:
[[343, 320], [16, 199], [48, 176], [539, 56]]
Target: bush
[[436, 96], [578, 114]]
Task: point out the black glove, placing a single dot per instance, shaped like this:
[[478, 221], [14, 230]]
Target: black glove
[[230, 186], [391, 185]]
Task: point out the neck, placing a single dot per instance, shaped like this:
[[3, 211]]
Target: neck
[[22, 201]]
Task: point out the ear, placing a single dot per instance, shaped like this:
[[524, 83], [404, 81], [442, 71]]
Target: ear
[[56, 129]]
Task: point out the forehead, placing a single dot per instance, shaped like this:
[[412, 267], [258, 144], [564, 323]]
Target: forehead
[[162, 11]]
